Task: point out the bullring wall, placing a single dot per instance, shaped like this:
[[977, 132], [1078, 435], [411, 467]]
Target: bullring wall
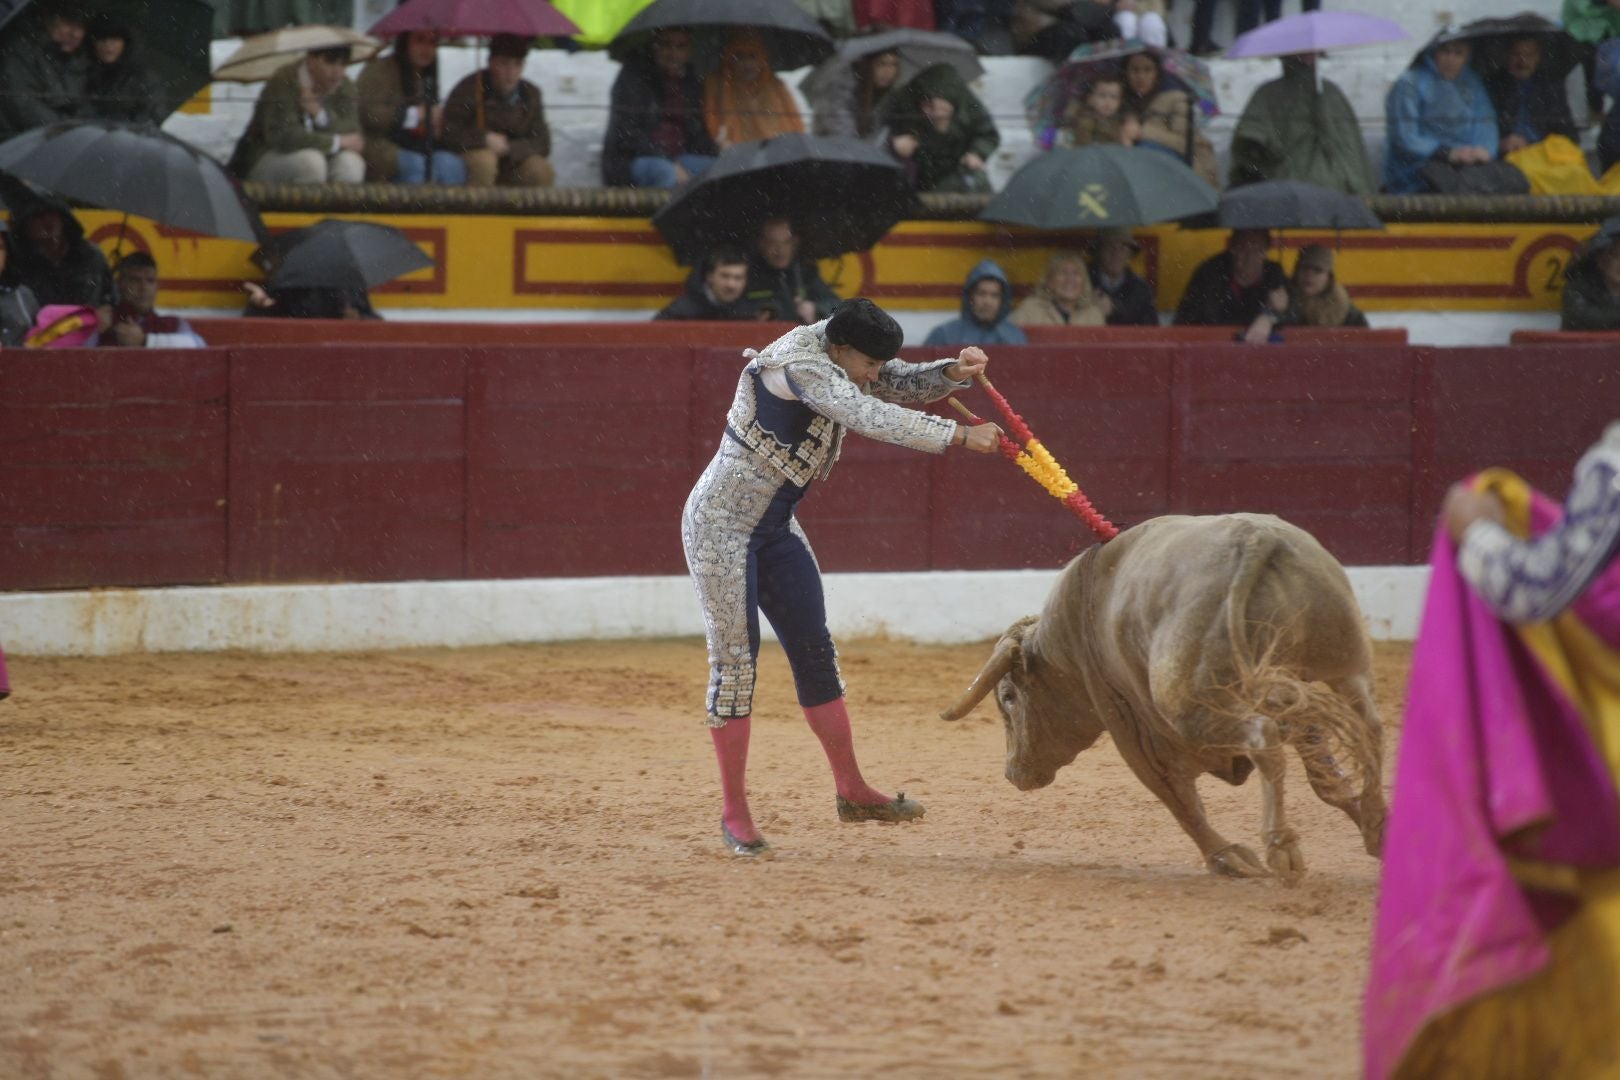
[[437, 462]]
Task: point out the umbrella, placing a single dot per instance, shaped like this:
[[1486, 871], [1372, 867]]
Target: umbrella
[[793, 38], [1490, 39], [599, 20], [332, 254], [843, 194], [137, 169], [917, 48], [458, 18], [1287, 204], [1091, 187], [1316, 31], [1046, 104], [262, 55]]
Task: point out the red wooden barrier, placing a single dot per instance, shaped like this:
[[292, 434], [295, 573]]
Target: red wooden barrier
[[120, 467], [1566, 337], [262, 331], [1173, 335]]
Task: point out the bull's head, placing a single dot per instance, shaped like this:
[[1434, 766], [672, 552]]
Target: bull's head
[[1047, 716]]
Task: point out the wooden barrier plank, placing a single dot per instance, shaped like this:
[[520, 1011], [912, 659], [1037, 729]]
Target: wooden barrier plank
[[347, 464], [114, 468]]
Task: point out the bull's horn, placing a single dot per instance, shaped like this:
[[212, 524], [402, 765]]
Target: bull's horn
[[1001, 661]]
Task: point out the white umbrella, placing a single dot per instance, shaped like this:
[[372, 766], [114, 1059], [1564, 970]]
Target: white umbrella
[[262, 55]]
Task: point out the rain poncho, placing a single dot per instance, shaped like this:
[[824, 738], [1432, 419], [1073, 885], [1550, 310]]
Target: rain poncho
[[1426, 114], [1291, 130], [938, 159], [745, 111], [970, 331]]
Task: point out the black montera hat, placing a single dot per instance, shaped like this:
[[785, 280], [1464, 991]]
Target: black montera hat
[[867, 327]]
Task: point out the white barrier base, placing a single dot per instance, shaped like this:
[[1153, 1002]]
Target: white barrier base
[[933, 608]]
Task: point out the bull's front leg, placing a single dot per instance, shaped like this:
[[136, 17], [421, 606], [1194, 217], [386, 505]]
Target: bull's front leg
[[1179, 792], [1283, 853]]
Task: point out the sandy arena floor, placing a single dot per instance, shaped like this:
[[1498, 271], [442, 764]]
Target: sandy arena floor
[[505, 862]]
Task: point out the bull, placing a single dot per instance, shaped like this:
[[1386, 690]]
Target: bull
[[1201, 645]]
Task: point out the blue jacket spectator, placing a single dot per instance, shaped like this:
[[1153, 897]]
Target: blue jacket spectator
[[986, 303], [1437, 111]]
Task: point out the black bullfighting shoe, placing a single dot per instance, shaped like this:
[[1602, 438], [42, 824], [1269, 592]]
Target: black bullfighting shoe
[[748, 849], [901, 809]]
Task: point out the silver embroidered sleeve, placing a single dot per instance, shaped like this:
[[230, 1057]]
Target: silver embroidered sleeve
[[916, 384], [1527, 581], [828, 392]]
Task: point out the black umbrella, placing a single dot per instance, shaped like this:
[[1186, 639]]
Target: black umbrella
[[1092, 187], [170, 39], [1287, 204], [793, 38], [1489, 40], [917, 49], [137, 169], [842, 194], [332, 254]]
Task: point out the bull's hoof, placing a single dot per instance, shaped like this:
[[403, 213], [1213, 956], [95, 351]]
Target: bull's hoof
[[899, 808], [1235, 860], [748, 849], [1284, 856]]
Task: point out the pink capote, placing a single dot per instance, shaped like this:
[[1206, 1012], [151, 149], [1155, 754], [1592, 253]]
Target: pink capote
[[1491, 745]]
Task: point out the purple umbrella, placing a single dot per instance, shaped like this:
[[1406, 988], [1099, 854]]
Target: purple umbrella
[[455, 18], [1316, 31]]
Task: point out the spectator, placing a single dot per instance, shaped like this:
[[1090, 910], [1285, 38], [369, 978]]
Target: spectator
[[1130, 298], [943, 133], [743, 100], [1437, 113], [982, 22], [55, 260], [1301, 127], [848, 98], [1052, 29], [1168, 115], [1142, 20], [1529, 106], [1315, 296], [135, 321], [1100, 116], [1592, 287], [1238, 287], [18, 305], [834, 16], [118, 86], [1591, 22], [402, 117], [714, 290], [307, 303], [42, 79], [986, 303], [911, 14], [655, 134], [496, 119], [306, 125], [783, 286], [1064, 297]]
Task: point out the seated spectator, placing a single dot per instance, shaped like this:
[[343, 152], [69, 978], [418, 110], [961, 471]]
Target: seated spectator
[[656, 136], [847, 99], [1063, 298], [781, 285], [887, 14], [1130, 299], [941, 131], [743, 100], [55, 260], [1238, 287], [307, 303], [1592, 287], [42, 76], [19, 307], [714, 290], [135, 321], [1168, 115], [1315, 297], [1100, 116], [1142, 20], [986, 303], [402, 118], [1052, 29], [118, 86], [1437, 113], [1590, 23], [834, 16], [983, 23], [1301, 127], [496, 119], [306, 125], [1529, 107]]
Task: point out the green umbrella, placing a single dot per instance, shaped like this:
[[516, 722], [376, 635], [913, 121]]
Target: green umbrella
[[1093, 187]]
